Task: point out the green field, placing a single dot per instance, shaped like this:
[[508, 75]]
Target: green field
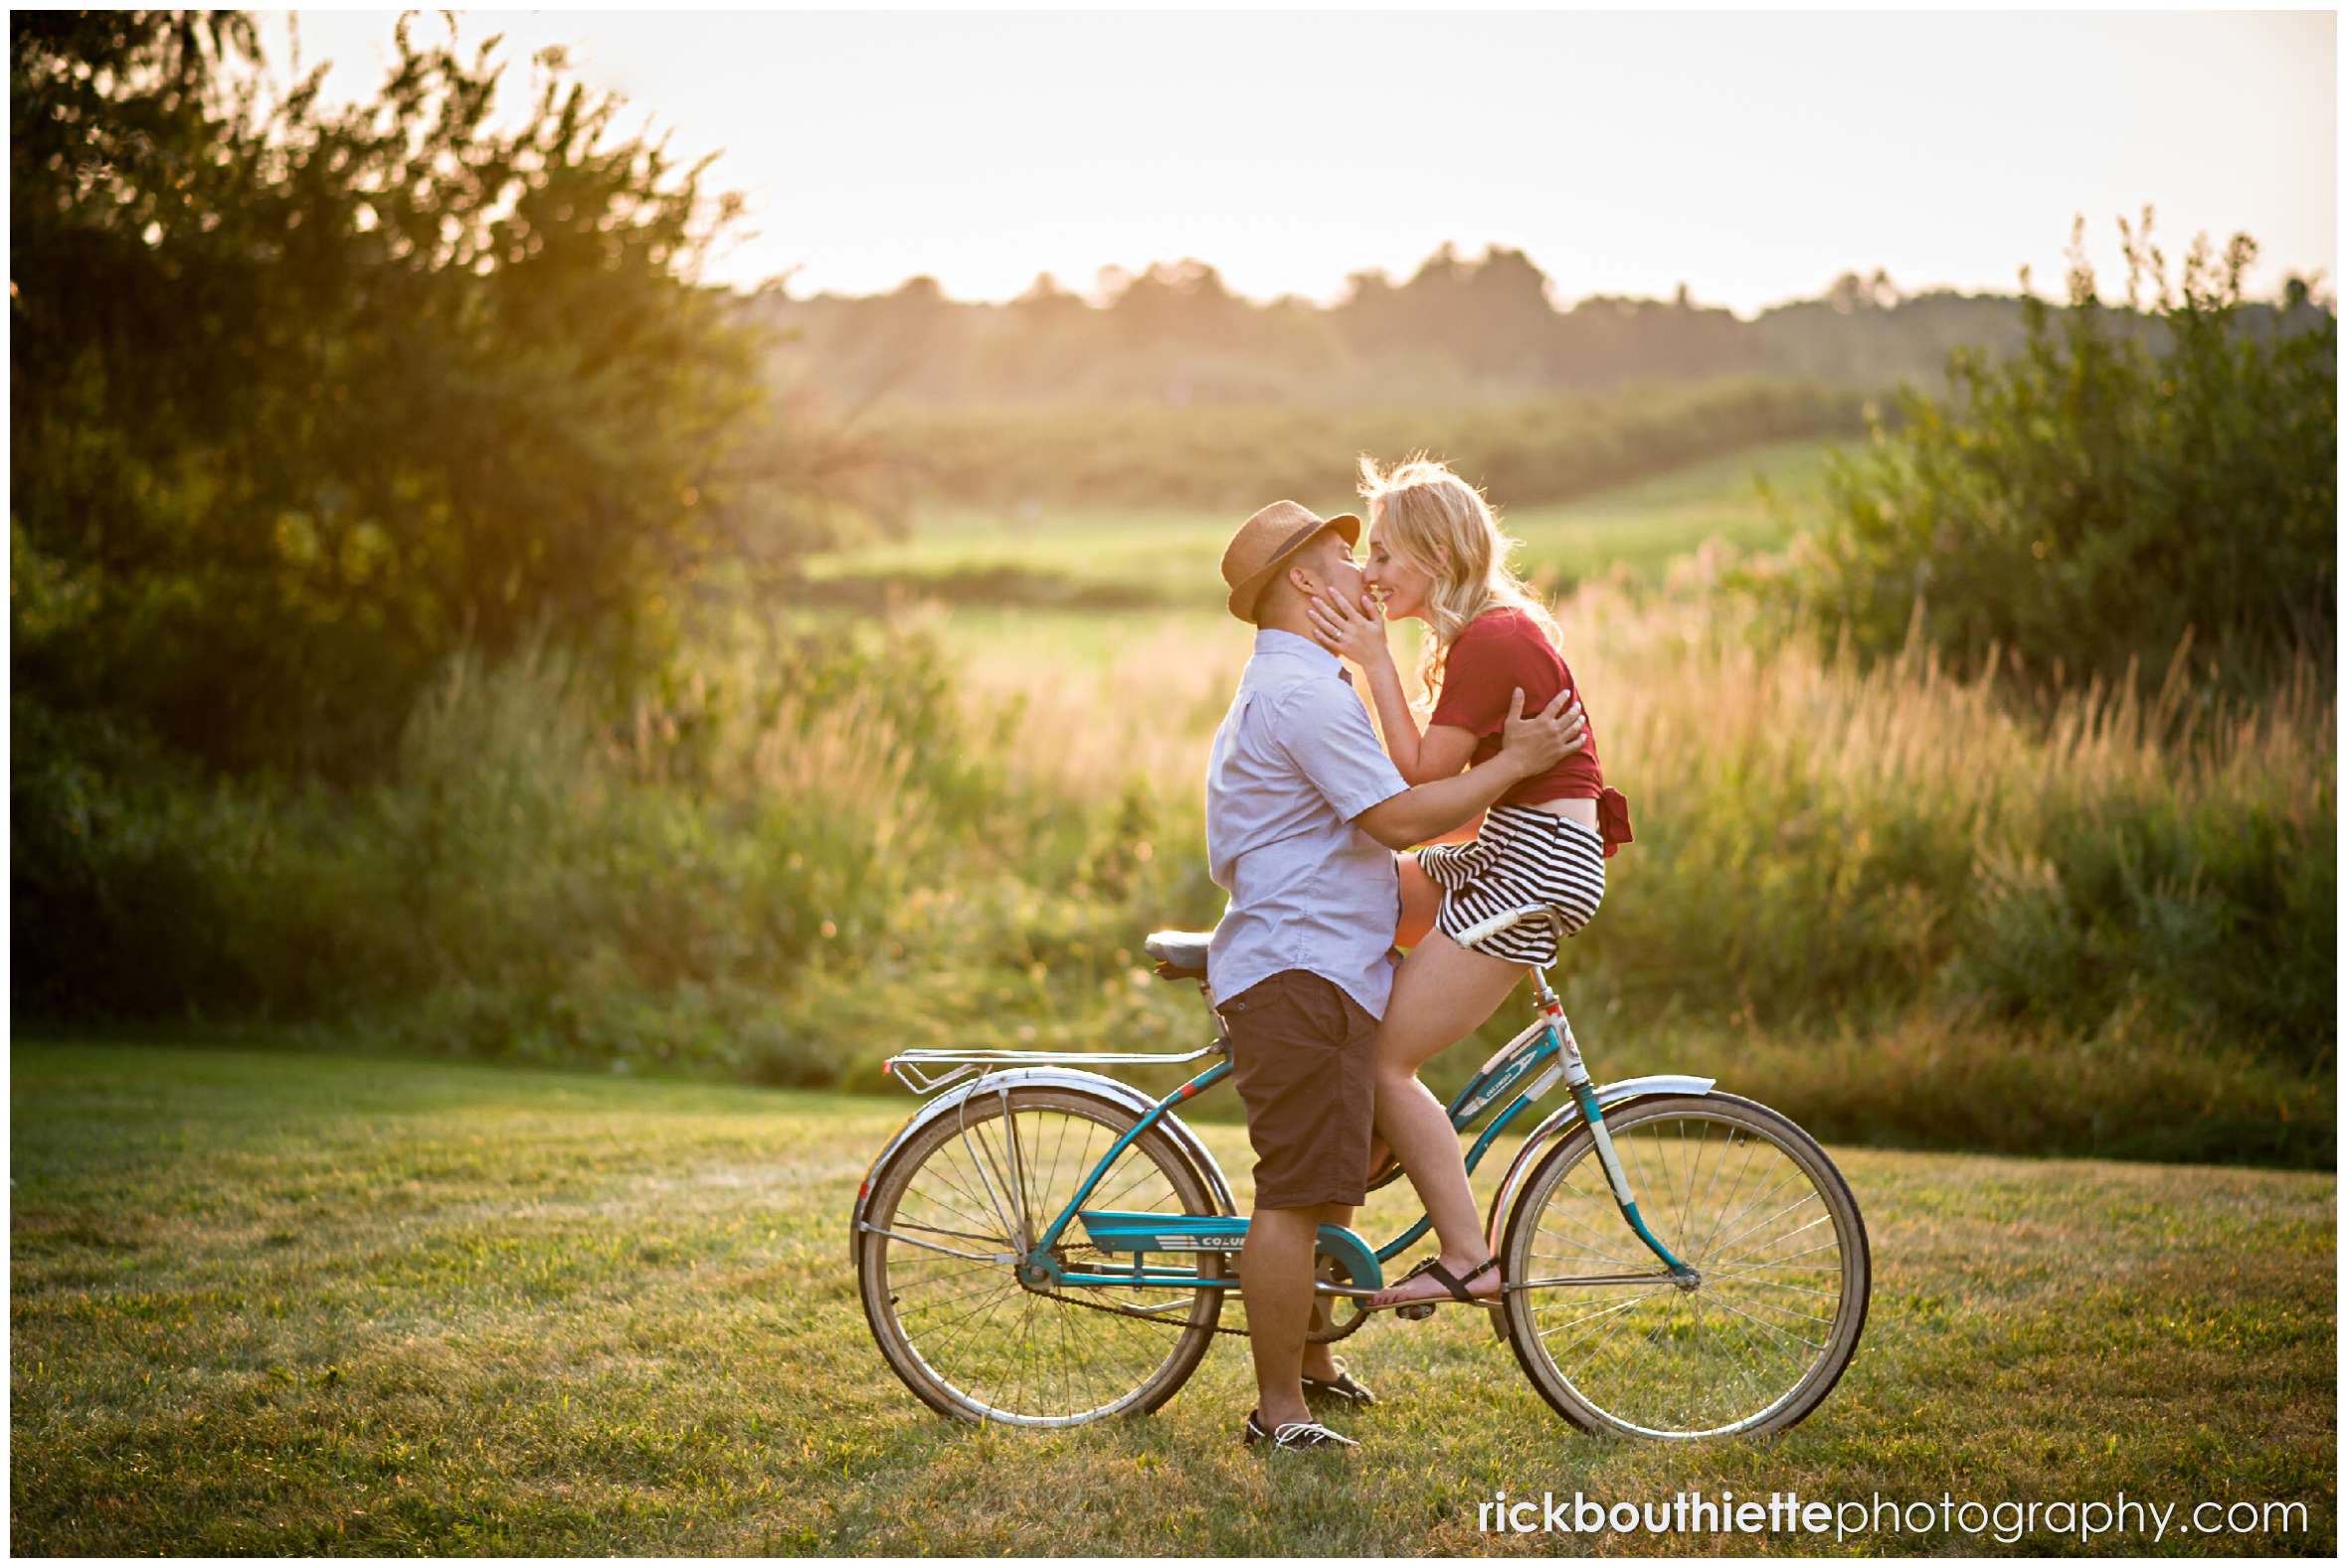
[[281, 1303], [1102, 558], [1098, 597]]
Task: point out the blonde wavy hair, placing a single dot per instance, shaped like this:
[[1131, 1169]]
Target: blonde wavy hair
[[1443, 526]]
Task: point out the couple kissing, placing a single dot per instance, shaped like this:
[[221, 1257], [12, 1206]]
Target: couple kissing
[[1336, 848]]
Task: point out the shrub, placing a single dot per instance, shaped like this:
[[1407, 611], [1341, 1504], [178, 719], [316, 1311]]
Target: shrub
[[307, 399], [2090, 506]]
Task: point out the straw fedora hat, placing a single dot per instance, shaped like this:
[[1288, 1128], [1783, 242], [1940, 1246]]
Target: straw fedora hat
[[1259, 550]]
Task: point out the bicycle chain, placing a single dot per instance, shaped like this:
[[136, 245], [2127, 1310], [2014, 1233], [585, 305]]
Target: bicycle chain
[[1159, 1318]]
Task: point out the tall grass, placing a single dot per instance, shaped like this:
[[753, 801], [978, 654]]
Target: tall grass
[[1819, 835], [1870, 895], [1883, 894]]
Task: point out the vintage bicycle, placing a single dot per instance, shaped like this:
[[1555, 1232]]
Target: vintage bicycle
[[1043, 1245]]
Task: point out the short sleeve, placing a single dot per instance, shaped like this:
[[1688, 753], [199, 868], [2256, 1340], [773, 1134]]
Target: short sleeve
[[1325, 733], [1478, 679]]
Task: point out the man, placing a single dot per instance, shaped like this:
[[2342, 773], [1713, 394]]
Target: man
[[1304, 812]]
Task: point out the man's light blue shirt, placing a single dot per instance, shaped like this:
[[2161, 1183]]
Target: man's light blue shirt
[[1293, 764]]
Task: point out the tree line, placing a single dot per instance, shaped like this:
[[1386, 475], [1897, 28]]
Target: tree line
[[1461, 328], [303, 401]]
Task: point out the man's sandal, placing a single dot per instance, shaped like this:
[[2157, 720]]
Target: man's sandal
[[1342, 1386], [1455, 1285]]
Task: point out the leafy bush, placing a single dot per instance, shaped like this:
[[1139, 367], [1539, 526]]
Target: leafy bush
[[303, 401], [2093, 504], [824, 822]]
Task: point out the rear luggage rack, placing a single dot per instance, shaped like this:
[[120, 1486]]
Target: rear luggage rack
[[909, 1067]]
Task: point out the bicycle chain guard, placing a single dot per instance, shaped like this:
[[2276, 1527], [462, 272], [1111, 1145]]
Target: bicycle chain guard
[[1346, 1314]]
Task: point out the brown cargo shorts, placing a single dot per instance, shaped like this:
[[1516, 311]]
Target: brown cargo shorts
[[1300, 1054]]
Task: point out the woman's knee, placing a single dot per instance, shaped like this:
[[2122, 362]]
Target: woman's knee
[[1409, 1041]]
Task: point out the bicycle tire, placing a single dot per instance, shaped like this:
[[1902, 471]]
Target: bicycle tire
[[1633, 1313], [885, 1265]]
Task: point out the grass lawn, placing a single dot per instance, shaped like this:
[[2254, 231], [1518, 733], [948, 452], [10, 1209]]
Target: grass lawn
[[266, 1302]]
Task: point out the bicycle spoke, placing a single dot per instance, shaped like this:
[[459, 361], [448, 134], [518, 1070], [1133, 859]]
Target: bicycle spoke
[[1751, 1145], [1593, 1252], [1146, 1171], [990, 1345], [1588, 1318], [902, 1223], [987, 1286], [1772, 1285], [950, 1180], [1596, 1331], [950, 1173], [1806, 1197], [1822, 1219], [1687, 1203], [1786, 1262], [1726, 1352], [1776, 1335]]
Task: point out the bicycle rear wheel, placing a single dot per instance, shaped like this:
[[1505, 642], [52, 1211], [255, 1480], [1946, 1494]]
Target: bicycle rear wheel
[[1755, 1205], [960, 1326]]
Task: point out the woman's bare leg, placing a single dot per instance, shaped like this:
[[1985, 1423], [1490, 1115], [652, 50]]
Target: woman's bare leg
[[1420, 898], [1441, 994]]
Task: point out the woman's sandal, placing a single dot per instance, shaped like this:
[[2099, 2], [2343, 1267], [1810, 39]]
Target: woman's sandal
[[1455, 1285]]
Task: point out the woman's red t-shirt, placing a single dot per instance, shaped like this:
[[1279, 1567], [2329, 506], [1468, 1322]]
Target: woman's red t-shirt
[[1496, 652]]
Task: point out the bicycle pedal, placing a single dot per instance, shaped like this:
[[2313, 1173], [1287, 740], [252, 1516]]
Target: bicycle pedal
[[1415, 1311]]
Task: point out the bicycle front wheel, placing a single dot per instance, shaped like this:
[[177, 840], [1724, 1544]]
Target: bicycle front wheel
[[953, 1207], [1755, 1205]]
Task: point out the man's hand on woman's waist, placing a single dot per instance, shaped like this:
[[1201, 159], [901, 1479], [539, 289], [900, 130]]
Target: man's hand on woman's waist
[[1534, 744]]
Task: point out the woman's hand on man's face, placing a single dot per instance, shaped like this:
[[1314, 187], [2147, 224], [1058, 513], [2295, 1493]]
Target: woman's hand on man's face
[[1354, 630]]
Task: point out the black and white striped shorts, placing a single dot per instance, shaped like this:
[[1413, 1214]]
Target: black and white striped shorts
[[1521, 857]]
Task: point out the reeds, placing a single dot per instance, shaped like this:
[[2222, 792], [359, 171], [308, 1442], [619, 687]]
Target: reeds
[[1870, 884]]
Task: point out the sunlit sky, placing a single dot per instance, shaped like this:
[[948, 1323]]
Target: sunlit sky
[[1751, 155]]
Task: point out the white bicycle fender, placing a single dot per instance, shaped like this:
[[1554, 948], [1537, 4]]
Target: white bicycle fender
[[1097, 1085]]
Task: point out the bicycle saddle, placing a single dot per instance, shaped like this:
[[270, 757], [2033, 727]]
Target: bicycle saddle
[[1180, 954]]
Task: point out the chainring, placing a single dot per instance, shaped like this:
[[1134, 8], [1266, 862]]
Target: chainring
[[1345, 1313]]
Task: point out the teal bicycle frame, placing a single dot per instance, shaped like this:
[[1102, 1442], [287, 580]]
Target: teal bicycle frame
[[1544, 1053]]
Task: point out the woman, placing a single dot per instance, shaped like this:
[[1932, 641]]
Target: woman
[[1436, 552]]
